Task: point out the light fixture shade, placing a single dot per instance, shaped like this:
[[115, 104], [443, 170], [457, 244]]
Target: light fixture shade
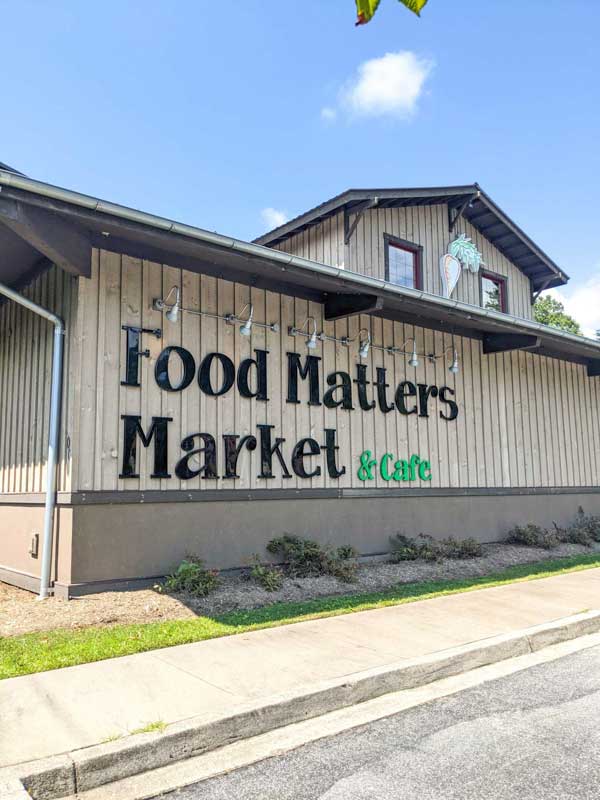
[[453, 368], [311, 342], [246, 328], [173, 313], [414, 359], [363, 351]]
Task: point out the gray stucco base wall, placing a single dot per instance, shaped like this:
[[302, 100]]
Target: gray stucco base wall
[[124, 542]]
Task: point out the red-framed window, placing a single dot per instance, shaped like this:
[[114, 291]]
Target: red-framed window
[[403, 262], [494, 291]]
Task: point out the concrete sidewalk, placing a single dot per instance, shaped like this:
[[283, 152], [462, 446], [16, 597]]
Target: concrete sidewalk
[[57, 712]]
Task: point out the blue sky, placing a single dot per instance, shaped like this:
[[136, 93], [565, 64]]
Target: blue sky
[[212, 112]]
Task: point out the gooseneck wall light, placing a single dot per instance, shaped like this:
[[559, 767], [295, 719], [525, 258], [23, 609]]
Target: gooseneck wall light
[[308, 330], [312, 336], [246, 324], [365, 343], [453, 365]]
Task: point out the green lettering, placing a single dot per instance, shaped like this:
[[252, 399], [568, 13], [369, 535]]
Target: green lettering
[[383, 466], [401, 472], [366, 465], [425, 471]]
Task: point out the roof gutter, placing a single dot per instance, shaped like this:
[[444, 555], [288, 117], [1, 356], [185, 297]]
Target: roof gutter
[[353, 279], [54, 427]]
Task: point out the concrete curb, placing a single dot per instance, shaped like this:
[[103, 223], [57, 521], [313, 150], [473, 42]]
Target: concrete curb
[[88, 768]]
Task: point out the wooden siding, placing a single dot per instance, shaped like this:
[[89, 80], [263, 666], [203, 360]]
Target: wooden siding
[[26, 342], [323, 243], [524, 421], [423, 225]]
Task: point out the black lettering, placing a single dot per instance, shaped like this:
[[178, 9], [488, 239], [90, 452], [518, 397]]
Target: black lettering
[[453, 406], [425, 392], [133, 352], [345, 401], [161, 369], [204, 374], [310, 370], [362, 383], [405, 389], [381, 391], [267, 450], [299, 454], [132, 357], [208, 470], [260, 362], [331, 448], [233, 450], [158, 431]]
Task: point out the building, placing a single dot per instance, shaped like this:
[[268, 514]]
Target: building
[[369, 367]]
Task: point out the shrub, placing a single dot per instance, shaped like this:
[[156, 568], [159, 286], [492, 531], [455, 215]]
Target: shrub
[[192, 577], [425, 547], [586, 524], [533, 536], [403, 548], [342, 564], [574, 534], [305, 558], [266, 575], [461, 548]]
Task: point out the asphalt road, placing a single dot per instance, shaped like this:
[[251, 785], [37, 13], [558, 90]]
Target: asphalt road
[[534, 735]]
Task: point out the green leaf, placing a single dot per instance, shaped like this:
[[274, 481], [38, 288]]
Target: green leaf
[[414, 5], [365, 9]]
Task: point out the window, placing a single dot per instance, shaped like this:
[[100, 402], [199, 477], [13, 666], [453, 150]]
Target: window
[[402, 262], [493, 291]]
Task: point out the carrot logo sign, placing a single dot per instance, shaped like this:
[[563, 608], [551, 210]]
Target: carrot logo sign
[[460, 251], [391, 469]]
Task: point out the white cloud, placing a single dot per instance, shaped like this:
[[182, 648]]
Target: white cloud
[[273, 217], [386, 86], [328, 114], [582, 302]]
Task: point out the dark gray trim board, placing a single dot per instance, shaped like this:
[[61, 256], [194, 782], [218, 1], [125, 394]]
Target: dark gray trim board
[[71, 500], [22, 580]]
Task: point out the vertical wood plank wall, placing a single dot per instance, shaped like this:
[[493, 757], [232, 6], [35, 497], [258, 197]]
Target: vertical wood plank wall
[[26, 342], [424, 225], [524, 421]]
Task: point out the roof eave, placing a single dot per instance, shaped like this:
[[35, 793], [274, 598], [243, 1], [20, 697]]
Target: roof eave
[[257, 265]]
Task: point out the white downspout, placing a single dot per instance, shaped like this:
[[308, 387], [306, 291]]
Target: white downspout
[[54, 429]]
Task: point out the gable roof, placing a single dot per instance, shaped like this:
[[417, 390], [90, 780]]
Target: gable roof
[[470, 200]]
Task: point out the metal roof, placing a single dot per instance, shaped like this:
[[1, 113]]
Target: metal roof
[[61, 226], [475, 206]]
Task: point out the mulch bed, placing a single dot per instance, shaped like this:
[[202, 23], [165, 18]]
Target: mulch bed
[[21, 612]]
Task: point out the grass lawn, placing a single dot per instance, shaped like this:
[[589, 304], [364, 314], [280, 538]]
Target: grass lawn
[[38, 652]]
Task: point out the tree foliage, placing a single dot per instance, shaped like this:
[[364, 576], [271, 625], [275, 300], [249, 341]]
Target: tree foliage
[[550, 311]]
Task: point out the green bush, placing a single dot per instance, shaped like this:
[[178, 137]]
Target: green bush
[[403, 548], [193, 578], [461, 548], [532, 536], [585, 525], [426, 548], [573, 534], [268, 576], [305, 558]]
